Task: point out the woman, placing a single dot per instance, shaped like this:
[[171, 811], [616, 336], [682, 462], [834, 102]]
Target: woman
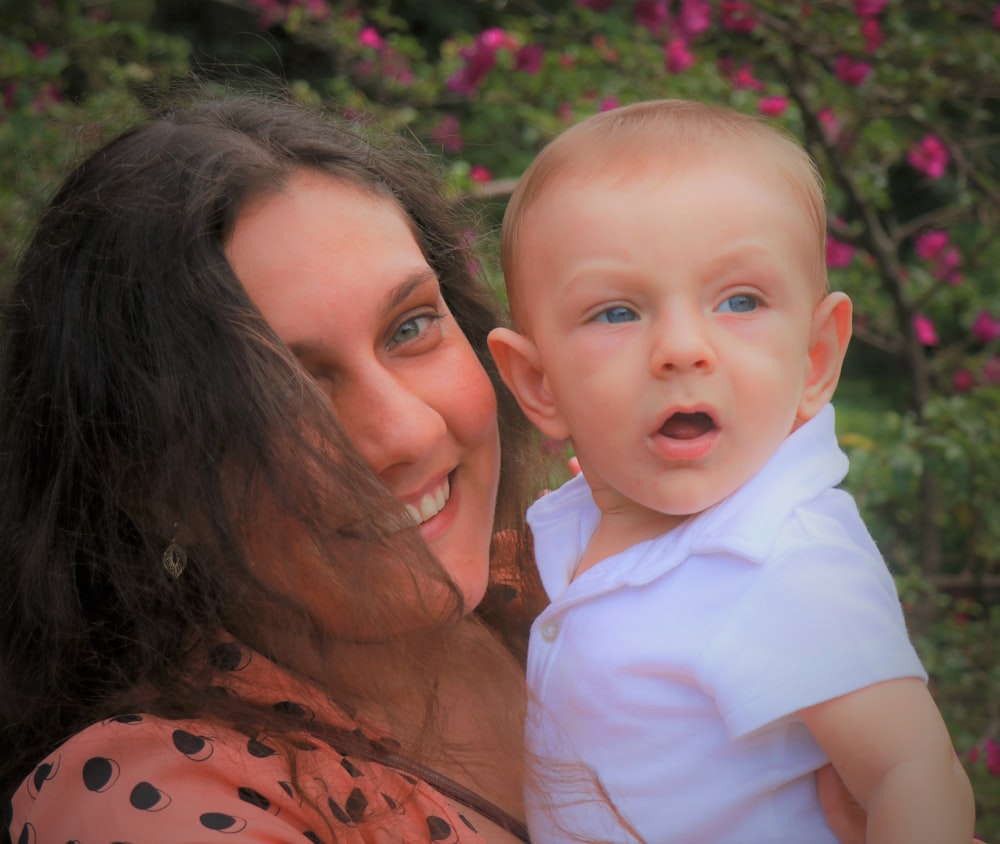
[[249, 458], [179, 500]]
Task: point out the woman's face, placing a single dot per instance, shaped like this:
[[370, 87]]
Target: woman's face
[[339, 276]]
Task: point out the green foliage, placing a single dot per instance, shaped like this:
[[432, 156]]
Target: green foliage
[[69, 72], [486, 84]]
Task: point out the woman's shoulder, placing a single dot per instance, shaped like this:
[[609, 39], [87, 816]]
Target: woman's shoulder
[[128, 776], [141, 777]]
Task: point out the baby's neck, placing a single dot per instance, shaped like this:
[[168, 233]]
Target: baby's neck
[[619, 530]]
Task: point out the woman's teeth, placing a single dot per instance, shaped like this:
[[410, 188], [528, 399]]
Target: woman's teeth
[[430, 504]]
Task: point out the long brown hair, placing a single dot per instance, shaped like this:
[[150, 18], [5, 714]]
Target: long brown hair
[[145, 401]]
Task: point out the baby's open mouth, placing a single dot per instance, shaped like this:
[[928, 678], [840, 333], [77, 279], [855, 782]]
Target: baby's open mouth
[[687, 426]]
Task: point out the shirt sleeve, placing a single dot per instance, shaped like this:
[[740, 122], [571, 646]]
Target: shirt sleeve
[[821, 621], [139, 778]]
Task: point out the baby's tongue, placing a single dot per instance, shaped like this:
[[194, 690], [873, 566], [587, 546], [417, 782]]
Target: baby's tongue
[[687, 426]]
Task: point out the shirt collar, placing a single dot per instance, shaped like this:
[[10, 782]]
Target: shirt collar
[[806, 464]]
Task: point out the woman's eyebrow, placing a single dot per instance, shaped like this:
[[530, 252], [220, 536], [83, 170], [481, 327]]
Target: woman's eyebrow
[[392, 300], [395, 297]]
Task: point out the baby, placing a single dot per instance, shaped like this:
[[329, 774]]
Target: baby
[[721, 624]]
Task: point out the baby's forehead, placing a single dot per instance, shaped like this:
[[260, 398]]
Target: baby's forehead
[[601, 168], [607, 163], [610, 163]]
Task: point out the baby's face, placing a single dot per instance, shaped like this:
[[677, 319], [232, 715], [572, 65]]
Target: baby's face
[[672, 315]]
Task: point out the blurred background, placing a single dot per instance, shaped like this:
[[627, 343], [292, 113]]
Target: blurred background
[[898, 102]]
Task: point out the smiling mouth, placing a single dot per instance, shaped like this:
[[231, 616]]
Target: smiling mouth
[[430, 505], [687, 426]]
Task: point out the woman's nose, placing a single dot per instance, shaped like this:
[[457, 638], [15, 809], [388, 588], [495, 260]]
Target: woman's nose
[[681, 343], [390, 422]]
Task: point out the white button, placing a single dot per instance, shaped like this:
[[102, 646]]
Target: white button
[[550, 630]]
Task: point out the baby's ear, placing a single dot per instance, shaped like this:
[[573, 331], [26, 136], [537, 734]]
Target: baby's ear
[[517, 360], [831, 332]]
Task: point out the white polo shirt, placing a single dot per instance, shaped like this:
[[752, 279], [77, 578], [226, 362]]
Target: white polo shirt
[[675, 669]]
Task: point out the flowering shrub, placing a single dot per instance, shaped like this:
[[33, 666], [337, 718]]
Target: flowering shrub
[[898, 102]]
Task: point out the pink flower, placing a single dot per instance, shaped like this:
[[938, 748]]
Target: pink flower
[[480, 174], [829, 122], [744, 79], [946, 266], [873, 36], [448, 134], [869, 8], [609, 104], [270, 13], [929, 156], [39, 50], [695, 17], [993, 757], [991, 371], [924, 328], [651, 14], [316, 10], [986, 329], [480, 59], [996, 17], [930, 244], [496, 38], [933, 246], [369, 37], [609, 54], [838, 253], [850, 71], [529, 58], [962, 381], [738, 16], [772, 106], [46, 96], [678, 57]]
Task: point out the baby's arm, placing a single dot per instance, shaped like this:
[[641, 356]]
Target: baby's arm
[[892, 749]]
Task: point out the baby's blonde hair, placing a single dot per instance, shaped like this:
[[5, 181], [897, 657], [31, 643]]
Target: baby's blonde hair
[[621, 142]]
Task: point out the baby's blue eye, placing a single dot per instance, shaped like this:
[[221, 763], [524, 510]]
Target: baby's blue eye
[[742, 303], [619, 313]]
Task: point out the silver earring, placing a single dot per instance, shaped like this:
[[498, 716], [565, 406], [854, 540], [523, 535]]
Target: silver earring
[[175, 558]]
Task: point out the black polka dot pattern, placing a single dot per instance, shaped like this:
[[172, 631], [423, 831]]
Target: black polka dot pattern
[[146, 797], [261, 751], [439, 828], [175, 781], [255, 798], [43, 773], [100, 773], [197, 748], [221, 822]]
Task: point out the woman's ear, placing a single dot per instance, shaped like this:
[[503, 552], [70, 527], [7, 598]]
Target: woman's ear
[[518, 361], [828, 339]]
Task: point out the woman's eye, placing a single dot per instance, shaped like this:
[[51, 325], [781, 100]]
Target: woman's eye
[[412, 328], [619, 313], [742, 303]]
